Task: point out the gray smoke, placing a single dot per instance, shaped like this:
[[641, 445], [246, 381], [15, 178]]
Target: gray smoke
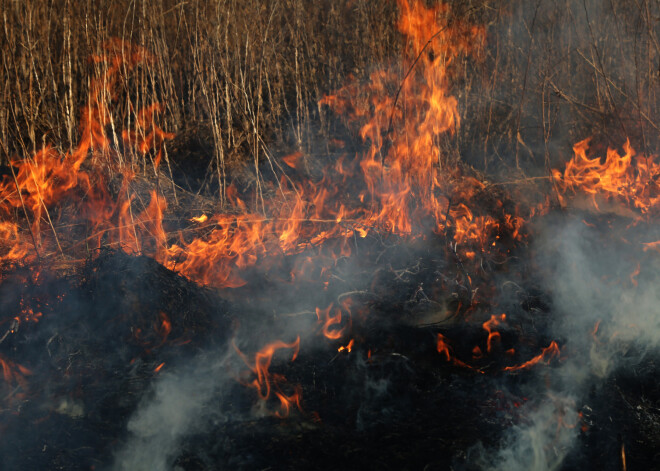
[[588, 271], [542, 444], [180, 405]]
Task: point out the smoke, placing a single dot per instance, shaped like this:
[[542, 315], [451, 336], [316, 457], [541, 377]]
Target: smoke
[[606, 312], [179, 406], [529, 448], [195, 397], [604, 285]]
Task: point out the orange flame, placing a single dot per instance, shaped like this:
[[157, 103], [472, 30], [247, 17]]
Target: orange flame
[[13, 373], [492, 334], [635, 274], [324, 317], [443, 347], [164, 328], [401, 184], [264, 381], [403, 179], [200, 219], [347, 348], [547, 354], [626, 178], [49, 177]]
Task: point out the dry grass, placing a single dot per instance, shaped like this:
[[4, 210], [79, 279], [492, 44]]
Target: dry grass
[[241, 79]]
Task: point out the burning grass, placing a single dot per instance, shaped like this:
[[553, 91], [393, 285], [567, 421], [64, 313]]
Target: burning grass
[[391, 256]]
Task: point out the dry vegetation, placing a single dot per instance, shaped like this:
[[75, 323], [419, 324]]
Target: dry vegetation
[[241, 80]]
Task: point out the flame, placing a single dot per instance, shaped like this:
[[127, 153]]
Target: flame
[[13, 373], [292, 160], [443, 347], [329, 320], [489, 326], [627, 178], [17, 249], [199, 219], [28, 314], [635, 274], [400, 183], [652, 246], [476, 353], [234, 243], [594, 332], [624, 466], [164, 328], [264, 382], [547, 354], [48, 178], [347, 348], [403, 176]]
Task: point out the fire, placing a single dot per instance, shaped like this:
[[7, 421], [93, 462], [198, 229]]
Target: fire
[[493, 335], [444, 349], [624, 466], [49, 178], [234, 243], [13, 373], [547, 354], [403, 175], [594, 332], [28, 314], [400, 182], [265, 382], [331, 322], [627, 178], [652, 246], [347, 348], [164, 328], [635, 274], [18, 249], [199, 219]]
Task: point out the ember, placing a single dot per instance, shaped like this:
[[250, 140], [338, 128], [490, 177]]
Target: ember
[[389, 302]]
